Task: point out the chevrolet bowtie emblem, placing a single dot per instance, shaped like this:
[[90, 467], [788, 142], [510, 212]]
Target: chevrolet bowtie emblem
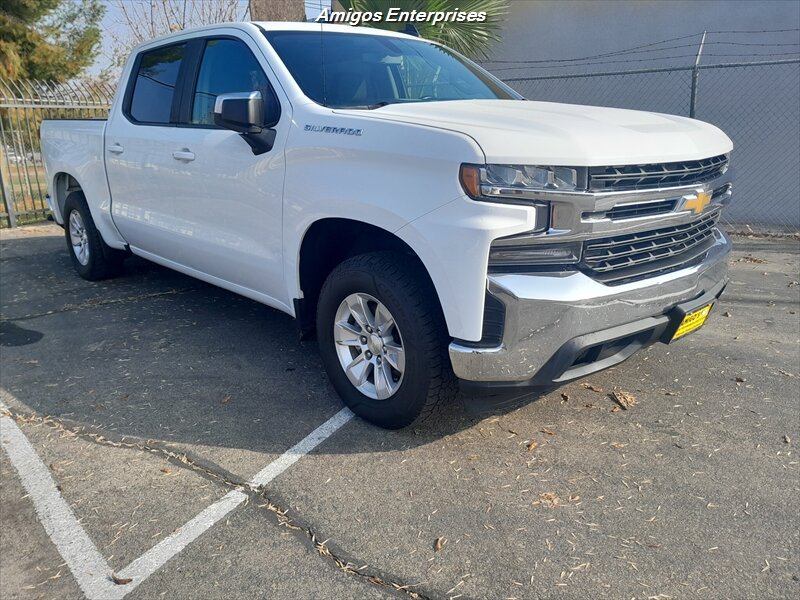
[[698, 203]]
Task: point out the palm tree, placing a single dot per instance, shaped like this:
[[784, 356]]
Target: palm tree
[[471, 39], [277, 10]]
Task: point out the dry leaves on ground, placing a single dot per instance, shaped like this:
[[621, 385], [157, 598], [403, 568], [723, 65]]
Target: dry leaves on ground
[[438, 543], [750, 260], [624, 399], [590, 386], [120, 580], [548, 499]]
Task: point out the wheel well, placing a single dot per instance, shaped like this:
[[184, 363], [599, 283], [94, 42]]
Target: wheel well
[[329, 242], [64, 185]]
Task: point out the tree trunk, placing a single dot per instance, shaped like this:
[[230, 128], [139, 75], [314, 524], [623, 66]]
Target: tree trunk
[[277, 10]]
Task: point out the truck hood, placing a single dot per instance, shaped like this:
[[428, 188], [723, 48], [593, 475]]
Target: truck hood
[[523, 132]]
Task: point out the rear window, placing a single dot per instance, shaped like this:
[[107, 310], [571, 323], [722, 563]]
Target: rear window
[[154, 87]]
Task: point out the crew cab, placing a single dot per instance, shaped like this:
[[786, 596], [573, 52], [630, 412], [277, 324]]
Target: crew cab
[[429, 225]]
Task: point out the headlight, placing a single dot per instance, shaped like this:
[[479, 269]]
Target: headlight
[[518, 184], [489, 182], [525, 177]]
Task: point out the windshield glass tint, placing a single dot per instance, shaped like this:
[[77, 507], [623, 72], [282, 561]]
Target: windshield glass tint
[[358, 70]]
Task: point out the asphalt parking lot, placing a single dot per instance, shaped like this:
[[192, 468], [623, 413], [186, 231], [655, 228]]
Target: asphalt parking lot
[[154, 398]]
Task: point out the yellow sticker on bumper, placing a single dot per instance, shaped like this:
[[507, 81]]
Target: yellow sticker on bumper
[[692, 321]]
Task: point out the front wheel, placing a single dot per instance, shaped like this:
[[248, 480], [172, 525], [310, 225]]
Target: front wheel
[[383, 340]]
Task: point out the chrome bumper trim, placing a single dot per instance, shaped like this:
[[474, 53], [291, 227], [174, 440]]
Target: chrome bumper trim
[[545, 311]]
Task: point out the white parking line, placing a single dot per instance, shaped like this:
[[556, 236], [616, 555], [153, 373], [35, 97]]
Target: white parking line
[[153, 559], [81, 555], [88, 566], [301, 448]]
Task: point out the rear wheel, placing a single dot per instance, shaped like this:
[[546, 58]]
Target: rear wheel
[[383, 340], [91, 257]]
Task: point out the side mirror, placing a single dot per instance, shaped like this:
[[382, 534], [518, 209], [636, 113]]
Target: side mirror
[[243, 112], [250, 115]]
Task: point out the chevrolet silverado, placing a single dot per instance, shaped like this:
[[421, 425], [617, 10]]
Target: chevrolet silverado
[[429, 225]]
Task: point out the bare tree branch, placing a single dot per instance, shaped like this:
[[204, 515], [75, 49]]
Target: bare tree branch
[[142, 20]]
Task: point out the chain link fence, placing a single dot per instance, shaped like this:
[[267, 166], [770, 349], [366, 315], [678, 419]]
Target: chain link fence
[[756, 104]]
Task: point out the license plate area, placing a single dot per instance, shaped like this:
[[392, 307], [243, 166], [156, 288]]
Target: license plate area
[[692, 321]]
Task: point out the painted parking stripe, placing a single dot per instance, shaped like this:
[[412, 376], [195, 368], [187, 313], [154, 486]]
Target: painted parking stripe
[[79, 552], [153, 559], [301, 448], [87, 565]]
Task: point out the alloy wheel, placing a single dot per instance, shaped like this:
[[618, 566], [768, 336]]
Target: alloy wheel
[[369, 346]]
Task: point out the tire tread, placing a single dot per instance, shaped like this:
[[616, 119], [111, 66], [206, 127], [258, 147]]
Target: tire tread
[[415, 286]]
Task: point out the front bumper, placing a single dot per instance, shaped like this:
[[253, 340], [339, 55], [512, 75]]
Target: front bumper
[[552, 320]]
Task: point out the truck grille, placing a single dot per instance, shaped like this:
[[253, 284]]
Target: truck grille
[[641, 177], [623, 258]]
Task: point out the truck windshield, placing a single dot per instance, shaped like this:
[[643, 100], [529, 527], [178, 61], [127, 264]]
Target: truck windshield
[[356, 70]]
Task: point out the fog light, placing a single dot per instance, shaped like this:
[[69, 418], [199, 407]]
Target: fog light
[[533, 255]]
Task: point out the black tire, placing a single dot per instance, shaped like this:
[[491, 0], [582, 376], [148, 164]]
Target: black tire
[[103, 261], [399, 283]]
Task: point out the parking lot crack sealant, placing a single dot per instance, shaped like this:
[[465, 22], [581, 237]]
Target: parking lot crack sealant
[[241, 492]]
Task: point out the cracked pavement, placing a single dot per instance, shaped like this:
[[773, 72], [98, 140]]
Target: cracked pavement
[[152, 395]]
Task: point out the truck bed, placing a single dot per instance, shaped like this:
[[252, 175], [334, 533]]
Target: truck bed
[[74, 146]]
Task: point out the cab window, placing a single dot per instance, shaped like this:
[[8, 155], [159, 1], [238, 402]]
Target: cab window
[[154, 86], [227, 66]]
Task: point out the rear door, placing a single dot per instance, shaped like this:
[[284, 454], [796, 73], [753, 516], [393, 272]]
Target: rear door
[[138, 145], [209, 204]]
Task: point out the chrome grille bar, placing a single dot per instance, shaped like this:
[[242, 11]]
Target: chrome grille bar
[[638, 209], [634, 177]]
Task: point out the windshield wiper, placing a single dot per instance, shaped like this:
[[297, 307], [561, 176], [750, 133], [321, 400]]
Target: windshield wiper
[[366, 106]]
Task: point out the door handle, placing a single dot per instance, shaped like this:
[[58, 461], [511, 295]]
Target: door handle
[[116, 149], [184, 155]]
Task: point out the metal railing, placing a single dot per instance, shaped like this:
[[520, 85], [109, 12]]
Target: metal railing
[[756, 103], [24, 104]]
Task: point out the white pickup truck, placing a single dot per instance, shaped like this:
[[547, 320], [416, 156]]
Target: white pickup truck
[[427, 223]]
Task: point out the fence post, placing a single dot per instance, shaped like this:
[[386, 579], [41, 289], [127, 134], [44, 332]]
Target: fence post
[[8, 199], [8, 202], [696, 78]]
